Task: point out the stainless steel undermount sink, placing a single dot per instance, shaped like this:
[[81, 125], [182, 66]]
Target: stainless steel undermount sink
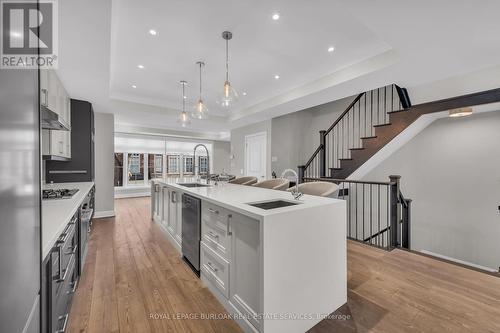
[[193, 185], [272, 204]]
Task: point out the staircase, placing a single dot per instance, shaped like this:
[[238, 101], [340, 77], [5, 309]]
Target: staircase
[[372, 120], [377, 212]]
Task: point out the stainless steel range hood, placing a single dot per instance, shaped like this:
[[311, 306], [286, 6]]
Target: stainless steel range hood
[[51, 120]]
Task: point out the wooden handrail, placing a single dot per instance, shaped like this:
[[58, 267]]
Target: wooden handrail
[[376, 234], [316, 152], [345, 112], [333, 180]]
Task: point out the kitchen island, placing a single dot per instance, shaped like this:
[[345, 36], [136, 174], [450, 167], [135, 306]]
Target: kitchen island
[[274, 270]]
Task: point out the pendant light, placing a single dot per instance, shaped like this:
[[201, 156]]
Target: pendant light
[[183, 119], [200, 109], [229, 96]]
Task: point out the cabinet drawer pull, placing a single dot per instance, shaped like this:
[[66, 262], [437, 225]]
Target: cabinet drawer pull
[[66, 270], [57, 249], [45, 100], [229, 232], [73, 290], [65, 323], [73, 250], [213, 211], [174, 197], [209, 264]]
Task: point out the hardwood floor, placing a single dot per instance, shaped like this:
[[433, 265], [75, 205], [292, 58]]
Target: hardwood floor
[[133, 279]]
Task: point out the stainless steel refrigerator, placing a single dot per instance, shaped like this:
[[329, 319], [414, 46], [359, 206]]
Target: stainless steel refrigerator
[[19, 201]]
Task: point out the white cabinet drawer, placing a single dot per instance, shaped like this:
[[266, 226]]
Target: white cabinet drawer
[[216, 269], [215, 229]]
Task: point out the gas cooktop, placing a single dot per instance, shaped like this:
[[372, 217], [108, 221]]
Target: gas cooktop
[[58, 194]]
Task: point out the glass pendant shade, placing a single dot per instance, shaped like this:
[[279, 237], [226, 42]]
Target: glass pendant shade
[[228, 96], [200, 110], [183, 119]]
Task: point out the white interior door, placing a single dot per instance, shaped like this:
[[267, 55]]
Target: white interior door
[[255, 155]]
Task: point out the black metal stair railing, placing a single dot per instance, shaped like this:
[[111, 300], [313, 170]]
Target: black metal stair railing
[[359, 120], [377, 212]]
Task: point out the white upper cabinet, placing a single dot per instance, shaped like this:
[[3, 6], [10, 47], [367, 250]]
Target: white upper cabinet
[[55, 143]]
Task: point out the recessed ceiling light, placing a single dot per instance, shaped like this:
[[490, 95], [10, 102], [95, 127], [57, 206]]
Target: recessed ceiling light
[[185, 97], [134, 86], [140, 66], [276, 77], [244, 93], [153, 32], [276, 16], [331, 49]]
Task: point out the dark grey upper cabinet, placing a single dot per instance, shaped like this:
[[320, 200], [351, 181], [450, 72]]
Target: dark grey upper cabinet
[[81, 166]]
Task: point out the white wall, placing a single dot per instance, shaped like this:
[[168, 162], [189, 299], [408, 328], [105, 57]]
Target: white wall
[[451, 170], [104, 164], [238, 146], [221, 162]]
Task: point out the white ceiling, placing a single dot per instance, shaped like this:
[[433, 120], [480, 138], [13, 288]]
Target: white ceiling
[[294, 47], [377, 43]]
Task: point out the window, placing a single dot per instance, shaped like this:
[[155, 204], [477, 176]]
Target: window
[[202, 164], [155, 166], [172, 164], [118, 169], [188, 164], [135, 169]]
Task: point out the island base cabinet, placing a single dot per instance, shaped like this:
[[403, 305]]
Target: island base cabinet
[[245, 272], [174, 223], [156, 202]]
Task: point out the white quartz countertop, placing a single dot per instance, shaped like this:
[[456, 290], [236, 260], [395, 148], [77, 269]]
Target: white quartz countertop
[[236, 197], [57, 213]]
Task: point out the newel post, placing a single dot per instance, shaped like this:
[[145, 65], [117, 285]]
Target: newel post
[[322, 154], [394, 212]]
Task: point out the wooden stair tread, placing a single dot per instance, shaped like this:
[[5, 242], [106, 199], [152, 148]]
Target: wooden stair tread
[[397, 111]]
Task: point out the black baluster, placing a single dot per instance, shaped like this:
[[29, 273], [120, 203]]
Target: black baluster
[[385, 104], [363, 192], [356, 184], [371, 113], [371, 215], [378, 210], [349, 198]]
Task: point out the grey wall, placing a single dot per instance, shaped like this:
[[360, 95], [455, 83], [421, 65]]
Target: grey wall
[[221, 152], [295, 136], [238, 146], [451, 170], [104, 164]]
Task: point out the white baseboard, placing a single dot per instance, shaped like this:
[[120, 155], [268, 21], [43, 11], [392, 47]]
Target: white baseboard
[[104, 213], [132, 195], [463, 262]]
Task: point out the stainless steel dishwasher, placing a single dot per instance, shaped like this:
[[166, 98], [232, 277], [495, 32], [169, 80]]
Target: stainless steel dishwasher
[[191, 225]]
